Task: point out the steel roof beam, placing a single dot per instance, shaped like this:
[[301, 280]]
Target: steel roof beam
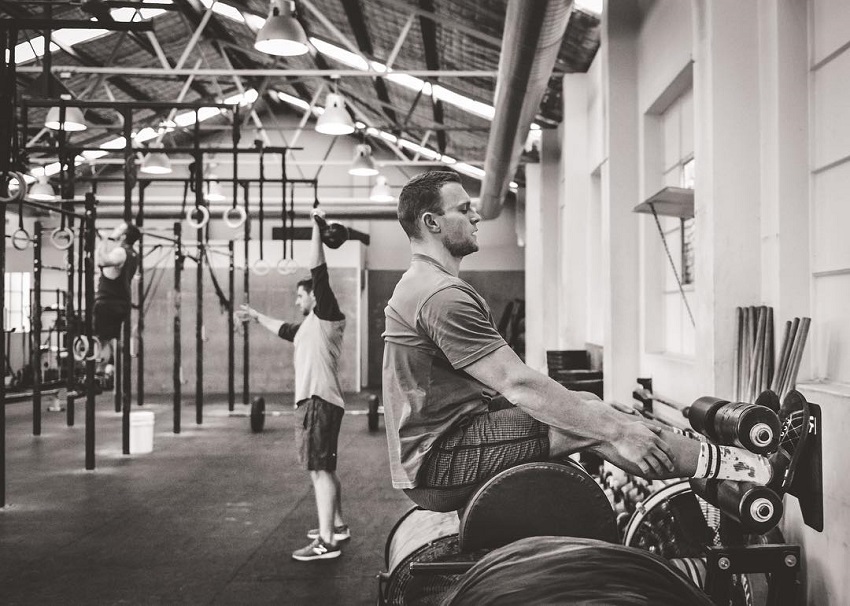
[[159, 72], [357, 21], [432, 61]]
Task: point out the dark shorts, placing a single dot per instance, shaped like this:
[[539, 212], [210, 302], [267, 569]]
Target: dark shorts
[[482, 446], [317, 425], [108, 318]]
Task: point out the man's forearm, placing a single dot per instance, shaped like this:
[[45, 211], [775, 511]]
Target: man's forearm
[[317, 250], [589, 421], [269, 323]]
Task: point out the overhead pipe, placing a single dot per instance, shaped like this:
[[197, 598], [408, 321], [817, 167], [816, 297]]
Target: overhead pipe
[[533, 33]]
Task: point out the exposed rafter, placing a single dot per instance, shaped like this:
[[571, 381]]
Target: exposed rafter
[[432, 61], [354, 12]]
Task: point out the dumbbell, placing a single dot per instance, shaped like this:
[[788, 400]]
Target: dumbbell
[[751, 426]]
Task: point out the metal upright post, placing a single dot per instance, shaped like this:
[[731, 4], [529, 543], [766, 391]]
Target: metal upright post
[[178, 353], [88, 272], [231, 385], [199, 279], [246, 333], [3, 358], [35, 351], [199, 331], [126, 376], [140, 317], [71, 327]]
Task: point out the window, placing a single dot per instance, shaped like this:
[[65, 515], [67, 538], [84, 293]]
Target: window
[[17, 310], [673, 331]]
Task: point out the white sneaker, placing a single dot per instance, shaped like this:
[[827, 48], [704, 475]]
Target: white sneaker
[[341, 533]]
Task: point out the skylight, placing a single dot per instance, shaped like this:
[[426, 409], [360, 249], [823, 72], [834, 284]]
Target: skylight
[[70, 37]]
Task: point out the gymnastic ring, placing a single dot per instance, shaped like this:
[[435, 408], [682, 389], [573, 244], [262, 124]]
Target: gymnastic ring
[[20, 193], [95, 349], [234, 217], [80, 348], [286, 267], [198, 224], [261, 267], [21, 239], [62, 238]]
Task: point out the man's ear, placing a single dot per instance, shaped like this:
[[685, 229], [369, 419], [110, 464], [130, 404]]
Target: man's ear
[[429, 220]]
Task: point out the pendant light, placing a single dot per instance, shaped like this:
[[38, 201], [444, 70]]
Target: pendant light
[[214, 191], [42, 191], [362, 165], [156, 162], [381, 192], [281, 34], [74, 120], [334, 120]]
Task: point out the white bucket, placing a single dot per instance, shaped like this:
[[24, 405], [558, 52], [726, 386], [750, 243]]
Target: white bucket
[[141, 431]]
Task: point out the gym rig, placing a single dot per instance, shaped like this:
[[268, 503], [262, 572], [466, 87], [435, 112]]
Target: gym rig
[[74, 332], [722, 536]]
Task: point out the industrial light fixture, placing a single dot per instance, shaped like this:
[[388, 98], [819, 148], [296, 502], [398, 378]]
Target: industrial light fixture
[[334, 120], [381, 192], [214, 191], [156, 162], [42, 191], [74, 120], [281, 34], [362, 165]]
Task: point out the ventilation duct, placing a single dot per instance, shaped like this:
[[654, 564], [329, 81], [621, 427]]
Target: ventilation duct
[[533, 33]]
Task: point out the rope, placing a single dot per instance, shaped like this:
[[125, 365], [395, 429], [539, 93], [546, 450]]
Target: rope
[[222, 298], [672, 264]]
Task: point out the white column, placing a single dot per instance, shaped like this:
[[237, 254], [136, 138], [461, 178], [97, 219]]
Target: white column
[[783, 81], [727, 192], [574, 202], [541, 252], [620, 183]]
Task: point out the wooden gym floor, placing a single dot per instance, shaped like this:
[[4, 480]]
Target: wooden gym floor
[[211, 516]]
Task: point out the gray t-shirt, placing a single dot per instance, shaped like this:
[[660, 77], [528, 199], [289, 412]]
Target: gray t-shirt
[[436, 325]]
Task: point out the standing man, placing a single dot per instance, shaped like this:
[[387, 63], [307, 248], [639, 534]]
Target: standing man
[[118, 261], [444, 360], [318, 396]]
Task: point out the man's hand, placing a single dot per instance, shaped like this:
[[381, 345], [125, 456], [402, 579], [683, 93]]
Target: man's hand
[[246, 312], [317, 212], [640, 450]]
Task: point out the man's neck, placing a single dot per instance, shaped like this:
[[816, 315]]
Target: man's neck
[[439, 253]]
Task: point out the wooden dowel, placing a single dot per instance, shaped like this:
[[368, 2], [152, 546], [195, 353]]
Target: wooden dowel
[[758, 348], [739, 350], [795, 324], [783, 354], [800, 344], [747, 353], [769, 352]]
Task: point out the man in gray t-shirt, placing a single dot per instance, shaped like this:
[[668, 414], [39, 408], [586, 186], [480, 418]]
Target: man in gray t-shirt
[[444, 360]]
